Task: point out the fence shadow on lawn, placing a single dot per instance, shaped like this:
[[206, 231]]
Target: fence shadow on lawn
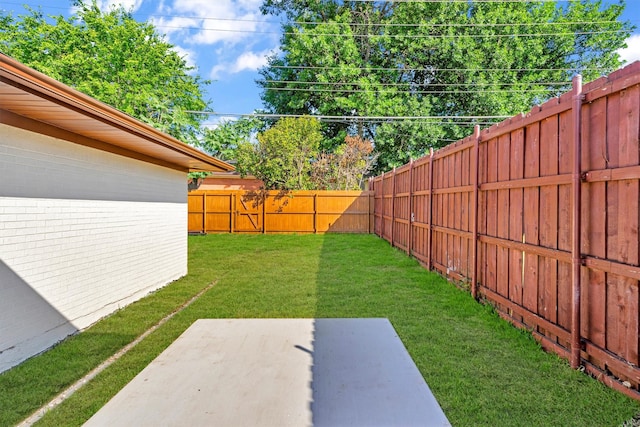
[[482, 370]]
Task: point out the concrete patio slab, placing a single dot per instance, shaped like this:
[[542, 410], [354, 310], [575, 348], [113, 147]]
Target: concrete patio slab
[[278, 372]]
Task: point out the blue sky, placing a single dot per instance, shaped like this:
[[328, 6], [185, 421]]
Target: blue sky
[[228, 40]]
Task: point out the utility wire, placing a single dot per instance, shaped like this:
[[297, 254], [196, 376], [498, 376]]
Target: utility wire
[[358, 24], [410, 83], [427, 26], [406, 36], [464, 1], [410, 36], [270, 115], [433, 92], [390, 24], [319, 67], [410, 122], [396, 25], [390, 1]]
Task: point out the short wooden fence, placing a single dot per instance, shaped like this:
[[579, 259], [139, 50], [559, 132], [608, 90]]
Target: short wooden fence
[[224, 211], [539, 215]]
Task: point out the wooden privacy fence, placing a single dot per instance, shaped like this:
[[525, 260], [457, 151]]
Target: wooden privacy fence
[[539, 215], [239, 211]]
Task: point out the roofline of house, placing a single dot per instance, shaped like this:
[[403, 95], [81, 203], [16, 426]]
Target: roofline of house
[[17, 74]]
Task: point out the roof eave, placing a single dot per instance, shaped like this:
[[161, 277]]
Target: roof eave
[[19, 75]]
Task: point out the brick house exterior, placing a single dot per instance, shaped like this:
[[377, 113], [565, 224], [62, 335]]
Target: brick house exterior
[[93, 210]]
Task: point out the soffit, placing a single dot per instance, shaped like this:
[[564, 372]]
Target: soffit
[[30, 94]]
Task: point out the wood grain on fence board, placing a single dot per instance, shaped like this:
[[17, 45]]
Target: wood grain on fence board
[[524, 220], [237, 211]]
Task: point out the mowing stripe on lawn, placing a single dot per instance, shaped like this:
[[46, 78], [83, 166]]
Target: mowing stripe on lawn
[[64, 395]]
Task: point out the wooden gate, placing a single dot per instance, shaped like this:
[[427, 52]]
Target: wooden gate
[[249, 215]]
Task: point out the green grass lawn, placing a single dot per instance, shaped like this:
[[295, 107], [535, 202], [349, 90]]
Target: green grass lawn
[[481, 370]]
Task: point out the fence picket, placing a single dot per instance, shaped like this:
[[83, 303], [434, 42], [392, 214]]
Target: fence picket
[[546, 224], [238, 211]]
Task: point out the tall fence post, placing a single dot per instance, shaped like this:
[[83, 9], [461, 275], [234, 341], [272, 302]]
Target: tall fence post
[[410, 237], [232, 201], [575, 246], [430, 211], [383, 207], [315, 213], [371, 191], [204, 213], [474, 249], [263, 199], [393, 206]]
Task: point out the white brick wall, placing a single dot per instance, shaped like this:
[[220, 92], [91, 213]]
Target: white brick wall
[[82, 233]]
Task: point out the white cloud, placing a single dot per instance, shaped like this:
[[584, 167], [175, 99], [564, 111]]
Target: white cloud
[[215, 121], [250, 61], [247, 61], [217, 71], [129, 5], [175, 27], [206, 22], [188, 55], [226, 38], [632, 52], [250, 4]]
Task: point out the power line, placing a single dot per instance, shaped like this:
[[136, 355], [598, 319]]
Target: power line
[[346, 118], [389, 24], [410, 36], [410, 122], [406, 36], [422, 92], [427, 26], [410, 83], [319, 67], [421, 25], [358, 24], [395, 1], [464, 1]]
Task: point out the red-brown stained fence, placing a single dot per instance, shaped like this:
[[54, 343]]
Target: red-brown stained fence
[[539, 215]]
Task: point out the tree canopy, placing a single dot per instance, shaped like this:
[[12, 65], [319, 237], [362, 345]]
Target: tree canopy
[[449, 64], [284, 153], [223, 140], [113, 58], [287, 156], [368, 65]]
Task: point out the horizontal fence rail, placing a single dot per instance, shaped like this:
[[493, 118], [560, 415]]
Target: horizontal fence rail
[[539, 215], [239, 211]]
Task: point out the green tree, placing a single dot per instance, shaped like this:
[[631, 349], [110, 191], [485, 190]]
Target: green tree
[[447, 59], [283, 155], [113, 58], [223, 141]]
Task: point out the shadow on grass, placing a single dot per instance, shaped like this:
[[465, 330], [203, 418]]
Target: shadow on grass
[[482, 370], [361, 375]]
